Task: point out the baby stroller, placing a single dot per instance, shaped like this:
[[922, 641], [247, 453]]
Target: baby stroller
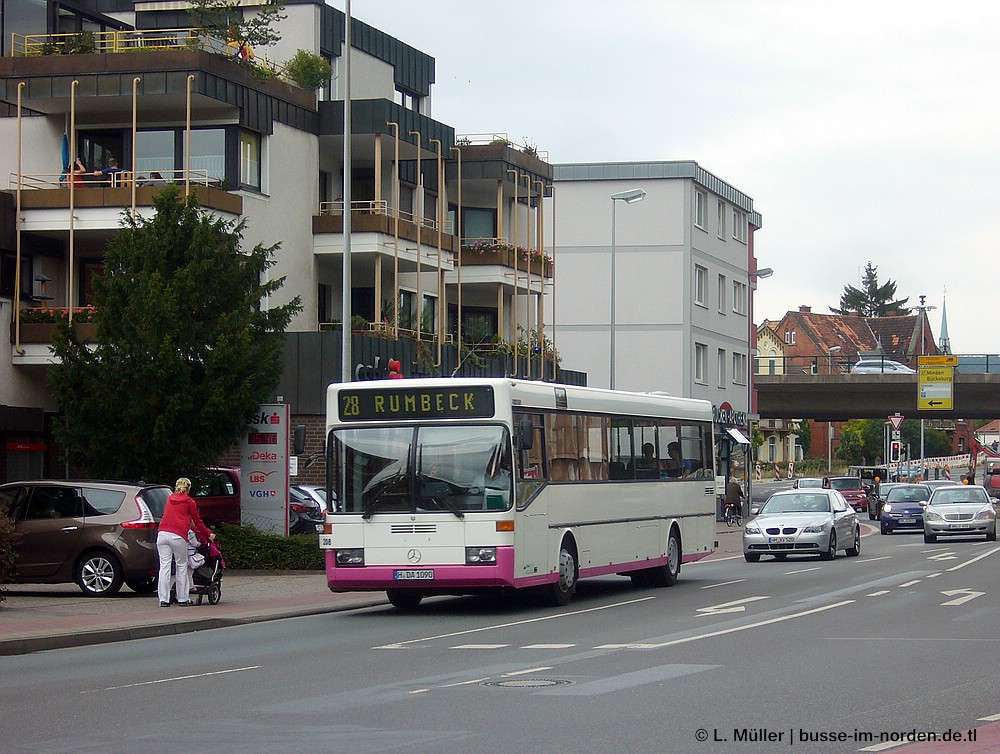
[[206, 564]]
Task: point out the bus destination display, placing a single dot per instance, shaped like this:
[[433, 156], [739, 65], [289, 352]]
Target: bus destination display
[[469, 402]]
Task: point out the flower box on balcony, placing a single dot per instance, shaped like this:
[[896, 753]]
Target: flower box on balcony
[[42, 332], [502, 258]]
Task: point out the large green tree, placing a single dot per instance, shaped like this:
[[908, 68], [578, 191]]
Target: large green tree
[[872, 299], [185, 350]]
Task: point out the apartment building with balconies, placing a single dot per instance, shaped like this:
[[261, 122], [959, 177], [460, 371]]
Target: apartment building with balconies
[[447, 238]]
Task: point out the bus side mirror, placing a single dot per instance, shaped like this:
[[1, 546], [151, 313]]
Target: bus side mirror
[[299, 444], [525, 435]]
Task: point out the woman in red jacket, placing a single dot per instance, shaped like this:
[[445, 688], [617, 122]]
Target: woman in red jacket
[[179, 515]]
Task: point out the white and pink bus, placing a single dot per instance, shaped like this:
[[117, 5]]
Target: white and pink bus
[[458, 486]]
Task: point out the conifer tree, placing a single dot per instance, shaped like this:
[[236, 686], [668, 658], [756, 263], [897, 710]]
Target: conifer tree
[[185, 351], [874, 300]]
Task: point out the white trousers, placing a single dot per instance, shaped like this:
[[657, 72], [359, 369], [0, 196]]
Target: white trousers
[[172, 548]]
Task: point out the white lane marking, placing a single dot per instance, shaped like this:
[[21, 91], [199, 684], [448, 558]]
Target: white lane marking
[[723, 583], [968, 595], [978, 557], [479, 646], [872, 560], [525, 672], [803, 570], [402, 644], [879, 593], [932, 575], [943, 556], [724, 631], [909, 583], [418, 691], [548, 646], [175, 678], [989, 718], [463, 683], [883, 747], [736, 606]]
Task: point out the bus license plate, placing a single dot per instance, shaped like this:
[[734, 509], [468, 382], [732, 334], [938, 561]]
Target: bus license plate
[[424, 575], [781, 540]]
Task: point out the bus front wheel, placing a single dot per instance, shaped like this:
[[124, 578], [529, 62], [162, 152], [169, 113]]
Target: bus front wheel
[[561, 591], [404, 599]]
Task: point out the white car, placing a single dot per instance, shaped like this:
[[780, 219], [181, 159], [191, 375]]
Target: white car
[[802, 522], [881, 366], [963, 509]]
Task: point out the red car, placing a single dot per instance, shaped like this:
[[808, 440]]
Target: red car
[[851, 488]]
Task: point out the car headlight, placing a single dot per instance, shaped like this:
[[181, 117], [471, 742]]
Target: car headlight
[[752, 529], [352, 556], [480, 555], [815, 529], [933, 516], [985, 515]]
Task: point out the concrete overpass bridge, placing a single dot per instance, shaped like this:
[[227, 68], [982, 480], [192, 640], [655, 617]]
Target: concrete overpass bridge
[[840, 397]]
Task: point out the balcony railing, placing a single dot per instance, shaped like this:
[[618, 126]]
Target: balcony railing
[[371, 207], [121, 179]]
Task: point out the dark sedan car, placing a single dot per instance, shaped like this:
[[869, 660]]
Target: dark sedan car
[[904, 507]]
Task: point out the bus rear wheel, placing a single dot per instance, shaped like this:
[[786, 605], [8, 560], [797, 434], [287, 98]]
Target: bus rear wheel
[[667, 574], [404, 599]]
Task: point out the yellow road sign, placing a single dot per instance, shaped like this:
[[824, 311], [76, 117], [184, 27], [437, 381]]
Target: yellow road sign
[[935, 387], [940, 360]]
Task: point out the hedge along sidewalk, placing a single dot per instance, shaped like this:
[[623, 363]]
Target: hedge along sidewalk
[[245, 548]]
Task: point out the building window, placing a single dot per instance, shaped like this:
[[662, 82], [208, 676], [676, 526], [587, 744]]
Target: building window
[[700, 285], [428, 321], [739, 297], [722, 220], [722, 368], [700, 362], [250, 160], [739, 225], [408, 100], [772, 449], [790, 337], [792, 341], [740, 368], [701, 209], [722, 294]]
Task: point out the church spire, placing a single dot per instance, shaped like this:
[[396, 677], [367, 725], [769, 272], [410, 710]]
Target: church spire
[[944, 344]]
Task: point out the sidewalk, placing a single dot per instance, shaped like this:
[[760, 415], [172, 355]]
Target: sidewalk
[[38, 617]]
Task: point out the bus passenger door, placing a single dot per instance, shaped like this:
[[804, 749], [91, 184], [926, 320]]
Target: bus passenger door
[[531, 525]]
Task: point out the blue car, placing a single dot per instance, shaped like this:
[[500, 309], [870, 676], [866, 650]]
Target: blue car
[[904, 507]]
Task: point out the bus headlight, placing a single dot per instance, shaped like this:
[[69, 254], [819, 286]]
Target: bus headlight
[[353, 556], [480, 555]]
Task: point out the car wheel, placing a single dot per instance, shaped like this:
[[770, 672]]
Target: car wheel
[[928, 538], [404, 599], [99, 574], [752, 557], [142, 586], [884, 528], [991, 536], [831, 550], [853, 552]]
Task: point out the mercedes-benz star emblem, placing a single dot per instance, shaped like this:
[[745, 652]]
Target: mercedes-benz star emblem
[[413, 556]]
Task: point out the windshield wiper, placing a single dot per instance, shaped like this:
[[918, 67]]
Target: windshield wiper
[[370, 507], [442, 501]]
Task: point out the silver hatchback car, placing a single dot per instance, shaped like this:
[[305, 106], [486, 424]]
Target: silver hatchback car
[[802, 522], [963, 510]]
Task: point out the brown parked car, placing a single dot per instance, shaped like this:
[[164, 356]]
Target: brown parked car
[[97, 534]]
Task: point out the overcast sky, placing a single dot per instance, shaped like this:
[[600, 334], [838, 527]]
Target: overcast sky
[[863, 130]]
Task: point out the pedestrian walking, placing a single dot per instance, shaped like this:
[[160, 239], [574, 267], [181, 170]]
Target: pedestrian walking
[[180, 515]]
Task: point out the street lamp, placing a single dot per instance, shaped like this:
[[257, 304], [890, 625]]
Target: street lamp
[[629, 197], [829, 358]]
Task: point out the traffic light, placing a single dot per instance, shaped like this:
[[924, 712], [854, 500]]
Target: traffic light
[[894, 451]]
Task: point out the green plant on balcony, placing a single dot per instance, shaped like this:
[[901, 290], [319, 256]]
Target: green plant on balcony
[[529, 149], [79, 44], [484, 247], [501, 141], [307, 70]]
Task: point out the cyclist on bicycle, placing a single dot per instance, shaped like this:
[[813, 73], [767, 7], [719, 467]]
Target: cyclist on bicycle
[[734, 496]]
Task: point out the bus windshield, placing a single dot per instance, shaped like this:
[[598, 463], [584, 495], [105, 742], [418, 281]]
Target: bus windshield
[[454, 469]]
